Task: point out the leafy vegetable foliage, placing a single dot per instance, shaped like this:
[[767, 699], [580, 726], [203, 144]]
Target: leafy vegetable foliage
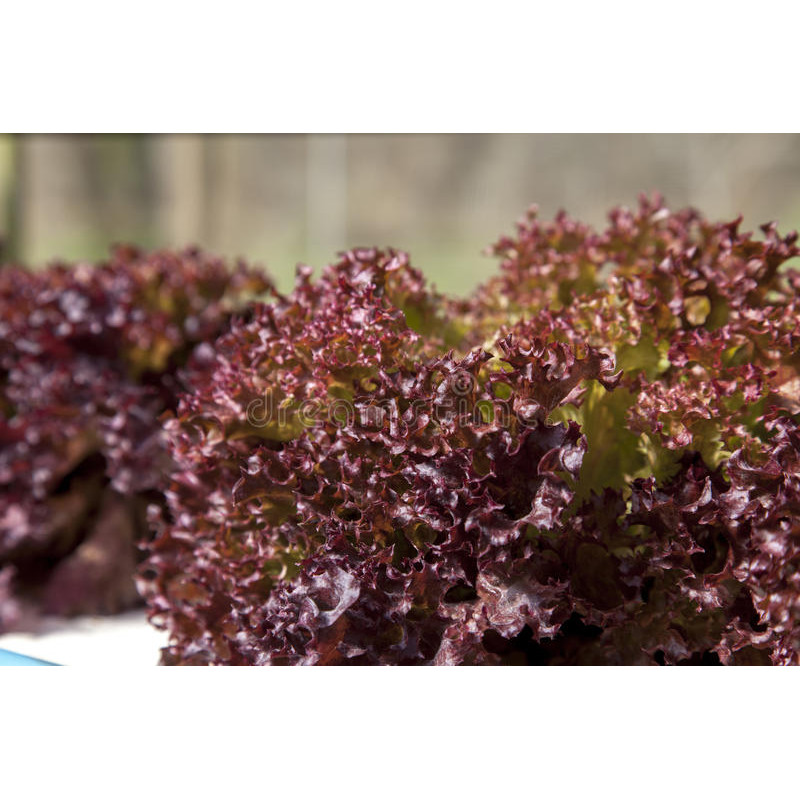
[[593, 459], [89, 356]]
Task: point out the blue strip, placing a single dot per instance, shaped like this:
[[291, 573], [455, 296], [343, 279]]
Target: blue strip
[[9, 659]]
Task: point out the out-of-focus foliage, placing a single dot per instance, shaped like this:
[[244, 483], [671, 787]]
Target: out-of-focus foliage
[[593, 459], [89, 359]]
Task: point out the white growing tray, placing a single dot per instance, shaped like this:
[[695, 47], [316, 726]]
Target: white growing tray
[[125, 640]]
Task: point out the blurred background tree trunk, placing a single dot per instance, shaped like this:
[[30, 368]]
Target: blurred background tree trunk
[[12, 185]]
